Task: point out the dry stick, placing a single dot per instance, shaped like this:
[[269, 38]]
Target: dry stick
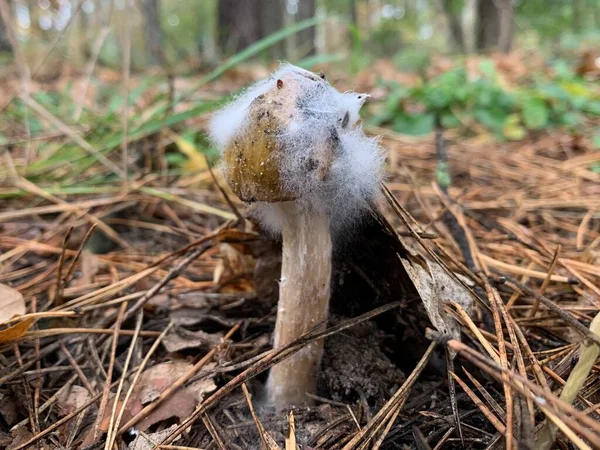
[[26, 388], [34, 189], [173, 273], [587, 356], [568, 318], [390, 421], [84, 242], [61, 260], [112, 430], [138, 374], [63, 389], [77, 369], [111, 364], [546, 282], [56, 331], [273, 357], [177, 384], [583, 424], [210, 427], [89, 70], [64, 420], [38, 367], [397, 400], [528, 421], [487, 396], [17, 372], [267, 441], [91, 64], [504, 364], [53, 209], [468, 322]]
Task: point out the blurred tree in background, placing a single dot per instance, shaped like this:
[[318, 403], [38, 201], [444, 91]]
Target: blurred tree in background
[[191, 33]]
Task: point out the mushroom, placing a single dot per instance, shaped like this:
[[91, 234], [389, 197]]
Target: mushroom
[[292, 147]]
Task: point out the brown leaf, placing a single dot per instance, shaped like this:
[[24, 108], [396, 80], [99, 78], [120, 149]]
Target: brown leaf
[[149, 441], [180, 339], [73, 398], [155, 380], [9, 409], [16, 331], [437, 288], [12, 303]]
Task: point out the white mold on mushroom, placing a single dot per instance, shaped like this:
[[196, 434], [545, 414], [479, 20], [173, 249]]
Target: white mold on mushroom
[[327, 161]]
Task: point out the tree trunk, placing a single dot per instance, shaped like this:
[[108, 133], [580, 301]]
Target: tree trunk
[[577, 15], [305, 39], [154, 51], [271, 21], [454, 24], [506, 25], [494, 27], [354, 12], [239, 24], [4, 41]]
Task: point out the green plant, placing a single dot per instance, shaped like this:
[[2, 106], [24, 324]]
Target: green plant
[[466, 103]]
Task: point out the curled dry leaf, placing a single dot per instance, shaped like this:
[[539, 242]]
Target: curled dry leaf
[[16, 331], [12, 303], [437, 288], [152, 383], [149, 441], [181, 339]]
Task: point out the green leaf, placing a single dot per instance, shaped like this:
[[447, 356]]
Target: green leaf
[[596, 141], [491, 118], [449, 120], [414, 125], [513, 129], [593, 108], [487, 68], [535, 113]]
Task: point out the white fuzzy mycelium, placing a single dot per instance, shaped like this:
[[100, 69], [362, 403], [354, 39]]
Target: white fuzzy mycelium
[[322, 118]]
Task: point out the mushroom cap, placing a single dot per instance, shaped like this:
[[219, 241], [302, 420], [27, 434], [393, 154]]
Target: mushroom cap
[[253, 158], [295, 137]]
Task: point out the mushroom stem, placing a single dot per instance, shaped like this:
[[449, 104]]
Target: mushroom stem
[[303, 303]]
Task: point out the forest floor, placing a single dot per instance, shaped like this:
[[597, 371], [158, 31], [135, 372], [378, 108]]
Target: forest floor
[[153, 295]]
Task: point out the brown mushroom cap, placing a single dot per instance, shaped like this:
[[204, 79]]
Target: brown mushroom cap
[[253, 158]]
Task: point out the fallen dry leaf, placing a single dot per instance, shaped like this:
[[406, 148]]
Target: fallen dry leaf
[[149, 441], [182, 403], [437, 288], [153, 382], [9, 409], [72, 399], [12, 303], [180, 339], [16, 331]]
